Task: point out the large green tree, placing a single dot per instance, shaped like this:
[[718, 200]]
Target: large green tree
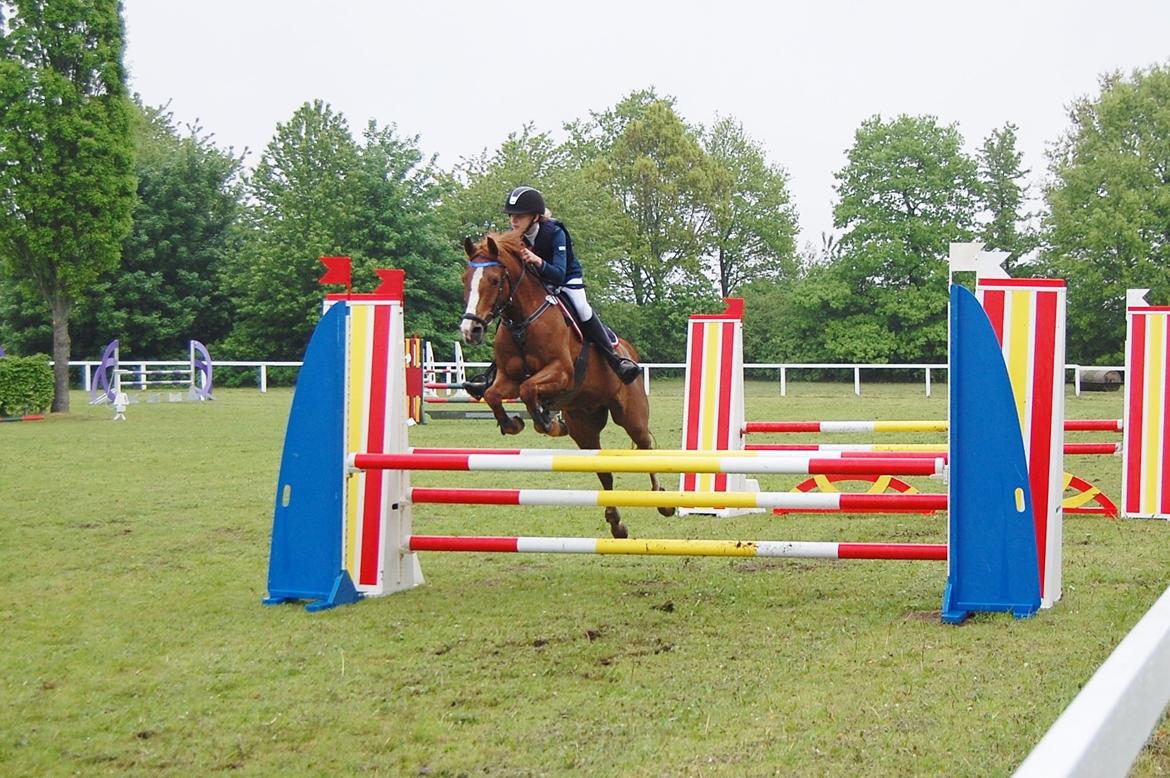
[[66, 156], [303, 206], [318, 192], [167, 288], [1003, 194], [1108, 226], [653, 165], [397, 191], [753, 222], [906, 192]]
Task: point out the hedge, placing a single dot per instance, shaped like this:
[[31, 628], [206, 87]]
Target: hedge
[[26, 385]]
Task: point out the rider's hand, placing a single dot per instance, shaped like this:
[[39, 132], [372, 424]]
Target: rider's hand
[[532, 259]]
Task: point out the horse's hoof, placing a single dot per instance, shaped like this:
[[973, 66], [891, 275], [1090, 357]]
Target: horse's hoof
[[669, 511], [619, 531], [513, 427]]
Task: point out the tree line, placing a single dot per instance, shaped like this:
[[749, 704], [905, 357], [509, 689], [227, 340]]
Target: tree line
[[115, 221]]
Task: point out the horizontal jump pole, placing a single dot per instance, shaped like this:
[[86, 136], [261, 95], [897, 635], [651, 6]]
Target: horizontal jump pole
[[1094, 425], [157, 382], [665, 547], [644, 464], [462, 400], [909, 449], [627, 498], [845, 426], [933, 452], [1070, 425], [29, 417]]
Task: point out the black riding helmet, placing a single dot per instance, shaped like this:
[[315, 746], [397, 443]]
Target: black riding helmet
[[524, 199]]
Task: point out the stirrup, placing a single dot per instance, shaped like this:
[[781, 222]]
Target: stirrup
[[477, 385]]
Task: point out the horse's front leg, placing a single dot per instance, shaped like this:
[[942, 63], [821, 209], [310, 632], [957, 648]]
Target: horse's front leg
[[549, 381], [503, 388]]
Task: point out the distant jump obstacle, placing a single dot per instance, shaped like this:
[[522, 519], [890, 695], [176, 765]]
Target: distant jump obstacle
[[1026, 317], [1145, 493], [342, 519], [110, 378]]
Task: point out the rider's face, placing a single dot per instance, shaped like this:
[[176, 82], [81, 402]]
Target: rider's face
[[522, 221]]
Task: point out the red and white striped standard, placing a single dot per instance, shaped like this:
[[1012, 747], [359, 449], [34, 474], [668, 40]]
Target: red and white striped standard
[[713, 403], [543, 463], [671, 547], [1028, 316], [1146, 461], [600, 498]]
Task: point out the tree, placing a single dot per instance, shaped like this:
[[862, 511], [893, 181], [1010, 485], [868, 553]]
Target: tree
[[397, 194], [166, 290], [906, 192], [66, 178], [654, 167], [1004, 189], [303, 207], [1108, 226], [753, 222], [316, 192]]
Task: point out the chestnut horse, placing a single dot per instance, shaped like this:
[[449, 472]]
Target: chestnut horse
[[540, 359]]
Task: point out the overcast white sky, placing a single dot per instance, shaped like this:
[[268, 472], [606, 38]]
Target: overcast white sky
[[800, 76]]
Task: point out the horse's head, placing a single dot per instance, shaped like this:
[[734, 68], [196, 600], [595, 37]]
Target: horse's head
[[489, 283]]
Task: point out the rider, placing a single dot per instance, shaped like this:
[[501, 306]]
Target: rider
[[548, 250]]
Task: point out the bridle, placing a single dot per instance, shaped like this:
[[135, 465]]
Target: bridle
[[498, 306]]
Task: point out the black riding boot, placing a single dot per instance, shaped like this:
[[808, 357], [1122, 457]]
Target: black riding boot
[[627, 369], [478, 384]]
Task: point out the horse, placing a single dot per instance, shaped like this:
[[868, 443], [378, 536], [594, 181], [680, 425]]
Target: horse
[[542, 359]]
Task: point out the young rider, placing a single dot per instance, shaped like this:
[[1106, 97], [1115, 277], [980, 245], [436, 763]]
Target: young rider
[[549, 253]]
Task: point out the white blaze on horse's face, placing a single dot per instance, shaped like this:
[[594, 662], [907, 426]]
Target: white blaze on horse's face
[[472, 331]]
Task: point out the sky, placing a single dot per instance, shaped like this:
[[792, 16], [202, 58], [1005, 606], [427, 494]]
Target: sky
[[800, 76]]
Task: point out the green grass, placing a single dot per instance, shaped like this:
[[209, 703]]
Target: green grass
[[133, 559]]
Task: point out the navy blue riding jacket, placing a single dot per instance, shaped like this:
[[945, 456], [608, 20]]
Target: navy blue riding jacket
[[555, 247]]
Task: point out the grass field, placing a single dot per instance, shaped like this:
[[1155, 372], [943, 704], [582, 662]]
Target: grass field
[[133, 559]]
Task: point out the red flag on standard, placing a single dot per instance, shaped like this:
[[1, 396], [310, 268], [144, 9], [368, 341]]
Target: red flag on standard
[[338, 270]]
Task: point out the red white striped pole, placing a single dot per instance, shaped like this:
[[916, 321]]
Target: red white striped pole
[[828, 501], [907, 449], [673, 547], [1070, 425], [655, 464]]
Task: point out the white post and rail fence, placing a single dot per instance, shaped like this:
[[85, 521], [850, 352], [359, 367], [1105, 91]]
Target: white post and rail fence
[[781, 370]]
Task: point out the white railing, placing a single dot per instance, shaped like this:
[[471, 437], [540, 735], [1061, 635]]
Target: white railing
[[141, 366], [783, 368], [1103, 729]]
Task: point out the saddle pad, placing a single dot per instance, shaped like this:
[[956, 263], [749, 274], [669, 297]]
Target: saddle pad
[[571, 320]]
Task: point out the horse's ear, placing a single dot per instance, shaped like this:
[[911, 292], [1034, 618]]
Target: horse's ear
[[493, 249], [469, 247]]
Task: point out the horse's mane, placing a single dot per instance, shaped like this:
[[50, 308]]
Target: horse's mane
[[509, 243]]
